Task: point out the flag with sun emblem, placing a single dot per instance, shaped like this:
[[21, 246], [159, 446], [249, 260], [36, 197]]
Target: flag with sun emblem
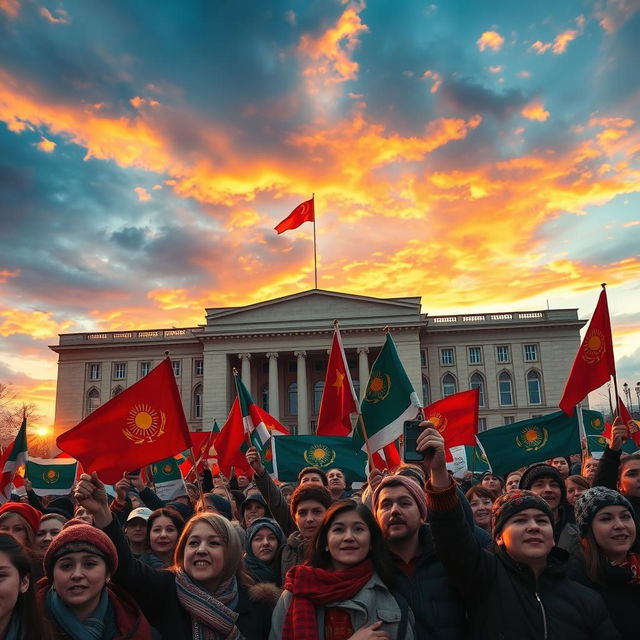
[[598, 433], [167, 479], [293, 453], [390, 399], [51, 476], [535, 440], [139, 426], [594, 364]]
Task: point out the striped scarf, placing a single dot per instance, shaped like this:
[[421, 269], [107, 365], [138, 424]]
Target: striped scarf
[[212, 616]]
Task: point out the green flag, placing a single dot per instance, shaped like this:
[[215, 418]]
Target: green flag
[[389, 401], [594, 428], [467, 458], [523, 443], [168, 479], [51, 476], [293, 453]]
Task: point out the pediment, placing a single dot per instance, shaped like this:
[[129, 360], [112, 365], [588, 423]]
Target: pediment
[[314, 310]]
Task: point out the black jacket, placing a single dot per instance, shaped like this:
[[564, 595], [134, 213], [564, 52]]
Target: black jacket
[[155, 592], [504, 599]]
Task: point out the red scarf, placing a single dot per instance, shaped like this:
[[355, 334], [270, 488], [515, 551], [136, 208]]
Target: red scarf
[[633, 564], [312, 587]]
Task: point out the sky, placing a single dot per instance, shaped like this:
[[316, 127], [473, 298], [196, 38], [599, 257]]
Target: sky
[[482, 155]]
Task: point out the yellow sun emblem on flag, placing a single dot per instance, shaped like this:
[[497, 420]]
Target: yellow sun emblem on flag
[[319, 455], [532, 438], [594, 347], [144, 424], [439, 421], [378, 387], [50, 476], [596, 424]]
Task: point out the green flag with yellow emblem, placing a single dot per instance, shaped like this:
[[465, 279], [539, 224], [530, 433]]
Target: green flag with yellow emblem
[[293, 453], [536, 440], [595, 428], [51, 476]]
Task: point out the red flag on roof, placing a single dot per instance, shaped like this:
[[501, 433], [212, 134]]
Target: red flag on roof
[[594, 363], [304, 212], [143, 424]]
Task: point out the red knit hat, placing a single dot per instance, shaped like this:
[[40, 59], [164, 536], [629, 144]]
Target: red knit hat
[[79, 538], [26, 511]]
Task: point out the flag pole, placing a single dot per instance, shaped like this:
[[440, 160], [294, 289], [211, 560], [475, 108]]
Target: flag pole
[[195, 471], [372, 464], [247, 436], [315, 256]]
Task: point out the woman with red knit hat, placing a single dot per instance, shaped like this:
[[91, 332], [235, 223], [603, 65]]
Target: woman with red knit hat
[[76, 594], [21, 521]]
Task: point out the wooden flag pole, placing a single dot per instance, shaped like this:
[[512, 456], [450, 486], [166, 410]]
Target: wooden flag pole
[[366, 442], [315, 255], [195, 471]]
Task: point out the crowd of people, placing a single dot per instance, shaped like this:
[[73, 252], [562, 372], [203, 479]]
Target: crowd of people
[[549, 551]]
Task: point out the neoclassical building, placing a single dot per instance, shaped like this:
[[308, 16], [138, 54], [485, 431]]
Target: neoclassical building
[[518, 360]]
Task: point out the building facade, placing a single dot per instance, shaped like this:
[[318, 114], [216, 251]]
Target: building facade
[[280, 347]]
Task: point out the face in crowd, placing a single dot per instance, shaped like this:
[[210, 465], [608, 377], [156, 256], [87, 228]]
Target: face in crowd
[[50, 527], [513, 481], [629, 482], [336, 480], [252, 510], [12, 583], [561, 465], [481, 509], [17, 526], [163, 536], [492, 483], [548, 489], [136, 530], [589, 468], [614, 531], [348, 540], [398, 514], [264, 545], [308, 517], [574, 490], [311, 478], [527, 536]]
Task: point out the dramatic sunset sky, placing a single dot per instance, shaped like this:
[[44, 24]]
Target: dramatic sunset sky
[[482, 155]]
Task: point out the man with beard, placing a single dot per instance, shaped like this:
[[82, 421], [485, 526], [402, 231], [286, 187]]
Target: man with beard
[[400, 507]]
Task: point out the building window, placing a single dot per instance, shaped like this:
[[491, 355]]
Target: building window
[[93, 400], [198, 367], [447, 358], [477, 382], [292, 399], [426, 396], [509, 419], [145, 367], [197, 401], [119, 370], [423, 357], [502, 353], [534, 388], [116, 390], [530, 352], [264, 396], [448, 385], [318, 388], [176, 366], [482, 424], [94, 371], [505, 387], [293, 366], [475, 355]]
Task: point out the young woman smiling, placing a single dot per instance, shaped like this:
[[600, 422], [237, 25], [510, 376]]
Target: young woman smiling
[[262, 546], [521, 590], [344, 591], [163, 530], [204, 595], [610, 562]]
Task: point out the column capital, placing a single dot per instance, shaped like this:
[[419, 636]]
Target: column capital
[[300, 354], [360, 350], [242, 356], [272, 354]]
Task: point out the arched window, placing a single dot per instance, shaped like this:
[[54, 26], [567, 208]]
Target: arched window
[[292, 399], [93, 400], [116, 391], [197, 401], [426, 396], [477, 382], [505, 387], [534, 388], [318, 388], [264, 396], [449, 386]]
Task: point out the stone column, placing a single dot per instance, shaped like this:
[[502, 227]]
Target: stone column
[[303, 409], [245, 370], [274, 400], [363, 370]]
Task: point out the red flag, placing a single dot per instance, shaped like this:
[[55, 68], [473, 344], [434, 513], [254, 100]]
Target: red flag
[[338, 397], [230, 441], [143, 424], [387, 458], [304, 212], [632, 425], [594, 363], [456, 417]]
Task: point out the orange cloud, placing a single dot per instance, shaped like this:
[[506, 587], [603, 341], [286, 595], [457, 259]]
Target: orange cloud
[[5, 274], [540, 47], [436, 77], [632, 223], [48, 146], [497, 69], [490, 40], [535, 111], [331, 52], [38, 324], [561, 41], [613, 14], [62, 18], [10, 7], [143, 194]]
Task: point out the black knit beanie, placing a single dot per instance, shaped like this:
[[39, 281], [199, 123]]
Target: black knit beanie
[[543, 470], [594, 499], [508, 504]]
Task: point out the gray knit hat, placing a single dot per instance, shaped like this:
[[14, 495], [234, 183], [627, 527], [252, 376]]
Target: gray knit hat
[[594, 499]]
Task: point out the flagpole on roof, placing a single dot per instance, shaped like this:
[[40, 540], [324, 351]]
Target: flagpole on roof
[[315, 256]]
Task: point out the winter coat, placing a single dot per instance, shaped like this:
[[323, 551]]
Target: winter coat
[[276, 502], [372, 603], [438, 609], [131, 623], [504, 599], [565, 533], [621, 598], [292, 553], [155, 591], [607, 476]]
